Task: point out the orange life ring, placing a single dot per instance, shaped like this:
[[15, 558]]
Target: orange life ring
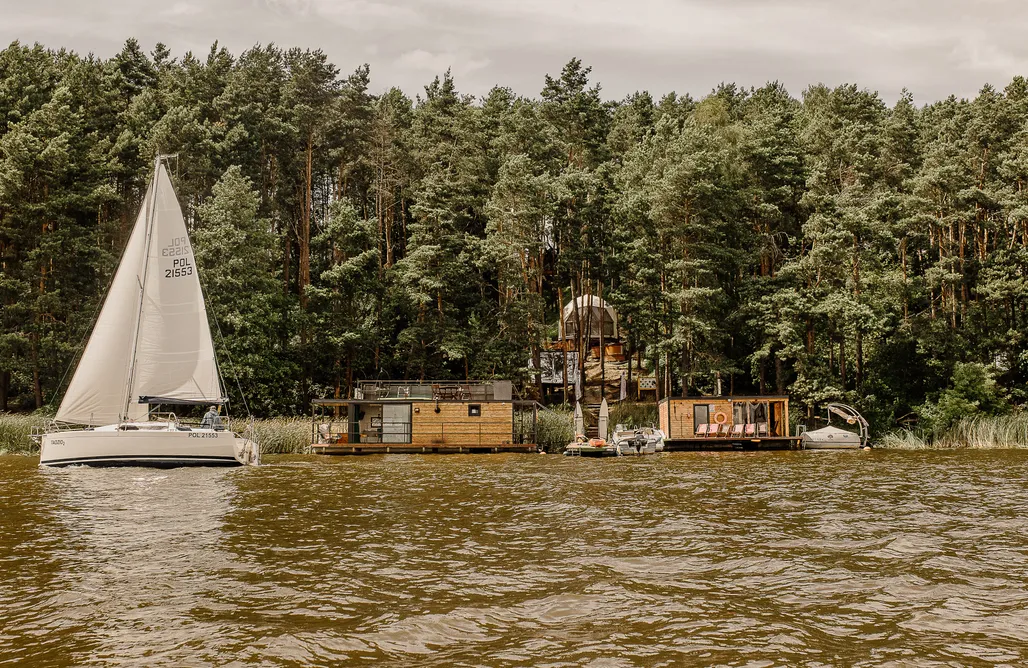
[[720, 417]]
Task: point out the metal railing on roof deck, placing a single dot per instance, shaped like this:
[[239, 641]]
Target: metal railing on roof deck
[[474, 390]]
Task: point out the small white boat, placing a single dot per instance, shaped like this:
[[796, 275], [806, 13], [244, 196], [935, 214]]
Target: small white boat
[[150, 346], [646, 441], [833, 438]]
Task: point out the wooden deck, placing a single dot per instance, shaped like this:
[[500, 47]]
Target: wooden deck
[[414, 449], [764, 443]]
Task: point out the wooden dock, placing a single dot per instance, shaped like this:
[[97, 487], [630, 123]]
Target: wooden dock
[[414, 449], [706, 444]]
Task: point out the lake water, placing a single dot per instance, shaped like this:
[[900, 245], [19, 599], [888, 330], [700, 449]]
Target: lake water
[[749, 559]]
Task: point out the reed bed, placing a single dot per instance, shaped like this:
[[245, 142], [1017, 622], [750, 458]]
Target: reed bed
[[14, 433], [282, 436], [555, 428], [977, 433]]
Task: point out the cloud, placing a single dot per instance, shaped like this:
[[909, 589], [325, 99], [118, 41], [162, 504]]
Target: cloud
[[435, 63], [182, 9], [933, 47], [287, 7]]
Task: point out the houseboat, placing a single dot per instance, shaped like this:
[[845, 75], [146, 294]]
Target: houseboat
[[424, 417], [726, 423]]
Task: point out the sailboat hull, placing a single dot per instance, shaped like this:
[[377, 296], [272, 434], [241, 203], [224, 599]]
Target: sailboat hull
[[111, 446]]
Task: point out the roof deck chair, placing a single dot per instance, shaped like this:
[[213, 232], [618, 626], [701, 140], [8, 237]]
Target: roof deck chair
[[762, 429], [737, 430], [701, 430], [722, 430], [751, 430]]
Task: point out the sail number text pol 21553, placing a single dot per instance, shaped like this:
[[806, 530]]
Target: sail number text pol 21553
[[182, 264]]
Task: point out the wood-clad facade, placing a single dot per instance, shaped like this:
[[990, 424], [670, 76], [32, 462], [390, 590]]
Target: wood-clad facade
[[734, 422], [424, 417]]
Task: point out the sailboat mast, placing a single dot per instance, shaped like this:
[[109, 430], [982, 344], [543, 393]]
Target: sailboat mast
[[151, 212]]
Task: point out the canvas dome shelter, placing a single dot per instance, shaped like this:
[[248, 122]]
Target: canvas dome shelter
[[595, 315]]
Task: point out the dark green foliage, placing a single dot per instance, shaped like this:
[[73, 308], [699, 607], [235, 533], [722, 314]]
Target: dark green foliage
[[830, 246]]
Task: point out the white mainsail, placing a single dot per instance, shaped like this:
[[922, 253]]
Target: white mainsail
[[152, 338]]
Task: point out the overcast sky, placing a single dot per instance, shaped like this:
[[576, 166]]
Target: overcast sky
[[932, 47]]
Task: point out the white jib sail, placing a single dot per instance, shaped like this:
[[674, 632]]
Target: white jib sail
[[174, 354]]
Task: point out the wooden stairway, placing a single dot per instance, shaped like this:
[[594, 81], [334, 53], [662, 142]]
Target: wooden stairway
[[591, 413]]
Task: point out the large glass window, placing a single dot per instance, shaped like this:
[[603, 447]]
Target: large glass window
[[396, 423]]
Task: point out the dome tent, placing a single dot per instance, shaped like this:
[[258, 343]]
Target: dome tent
[[594, 314]]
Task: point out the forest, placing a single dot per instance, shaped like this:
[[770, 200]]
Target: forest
[[829, 246]]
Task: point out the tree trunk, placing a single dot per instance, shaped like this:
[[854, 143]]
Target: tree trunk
[[391, 215], [903, 266], [563, 341], [631, 350], [603, 356], [304, 236], [578, 325], [842, 360], [380, 215], [287, 257], [37, 387], [859, 363]]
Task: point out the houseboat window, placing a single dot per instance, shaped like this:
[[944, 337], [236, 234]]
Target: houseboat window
[[474, 410], [396, 423], [700, 415]]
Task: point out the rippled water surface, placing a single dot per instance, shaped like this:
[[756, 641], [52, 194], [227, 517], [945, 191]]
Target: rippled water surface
[[757, 559]]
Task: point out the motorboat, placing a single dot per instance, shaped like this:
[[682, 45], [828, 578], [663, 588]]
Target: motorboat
[[645, 441], [150, 347], [834, 438]]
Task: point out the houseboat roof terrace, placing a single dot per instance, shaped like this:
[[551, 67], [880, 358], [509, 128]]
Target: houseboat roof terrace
[[433, 390]]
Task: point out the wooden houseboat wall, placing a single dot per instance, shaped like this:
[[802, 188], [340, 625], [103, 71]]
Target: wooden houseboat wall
[[742, 422]]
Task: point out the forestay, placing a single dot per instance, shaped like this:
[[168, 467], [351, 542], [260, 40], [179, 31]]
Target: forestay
[[154, 319]]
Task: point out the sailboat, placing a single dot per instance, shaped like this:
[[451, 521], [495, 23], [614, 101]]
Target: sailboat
[[150, 346]]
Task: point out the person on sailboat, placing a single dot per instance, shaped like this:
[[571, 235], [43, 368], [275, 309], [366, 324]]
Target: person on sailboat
[[211, 420]]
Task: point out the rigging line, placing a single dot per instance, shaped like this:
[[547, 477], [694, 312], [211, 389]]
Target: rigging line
[[221, 337]]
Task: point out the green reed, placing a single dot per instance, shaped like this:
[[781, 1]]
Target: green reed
[[555, 428], [280, 436], [14, 433], [976, 432]]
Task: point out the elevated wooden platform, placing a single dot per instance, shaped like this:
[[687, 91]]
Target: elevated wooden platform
[[414, 449], [704, 444]]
